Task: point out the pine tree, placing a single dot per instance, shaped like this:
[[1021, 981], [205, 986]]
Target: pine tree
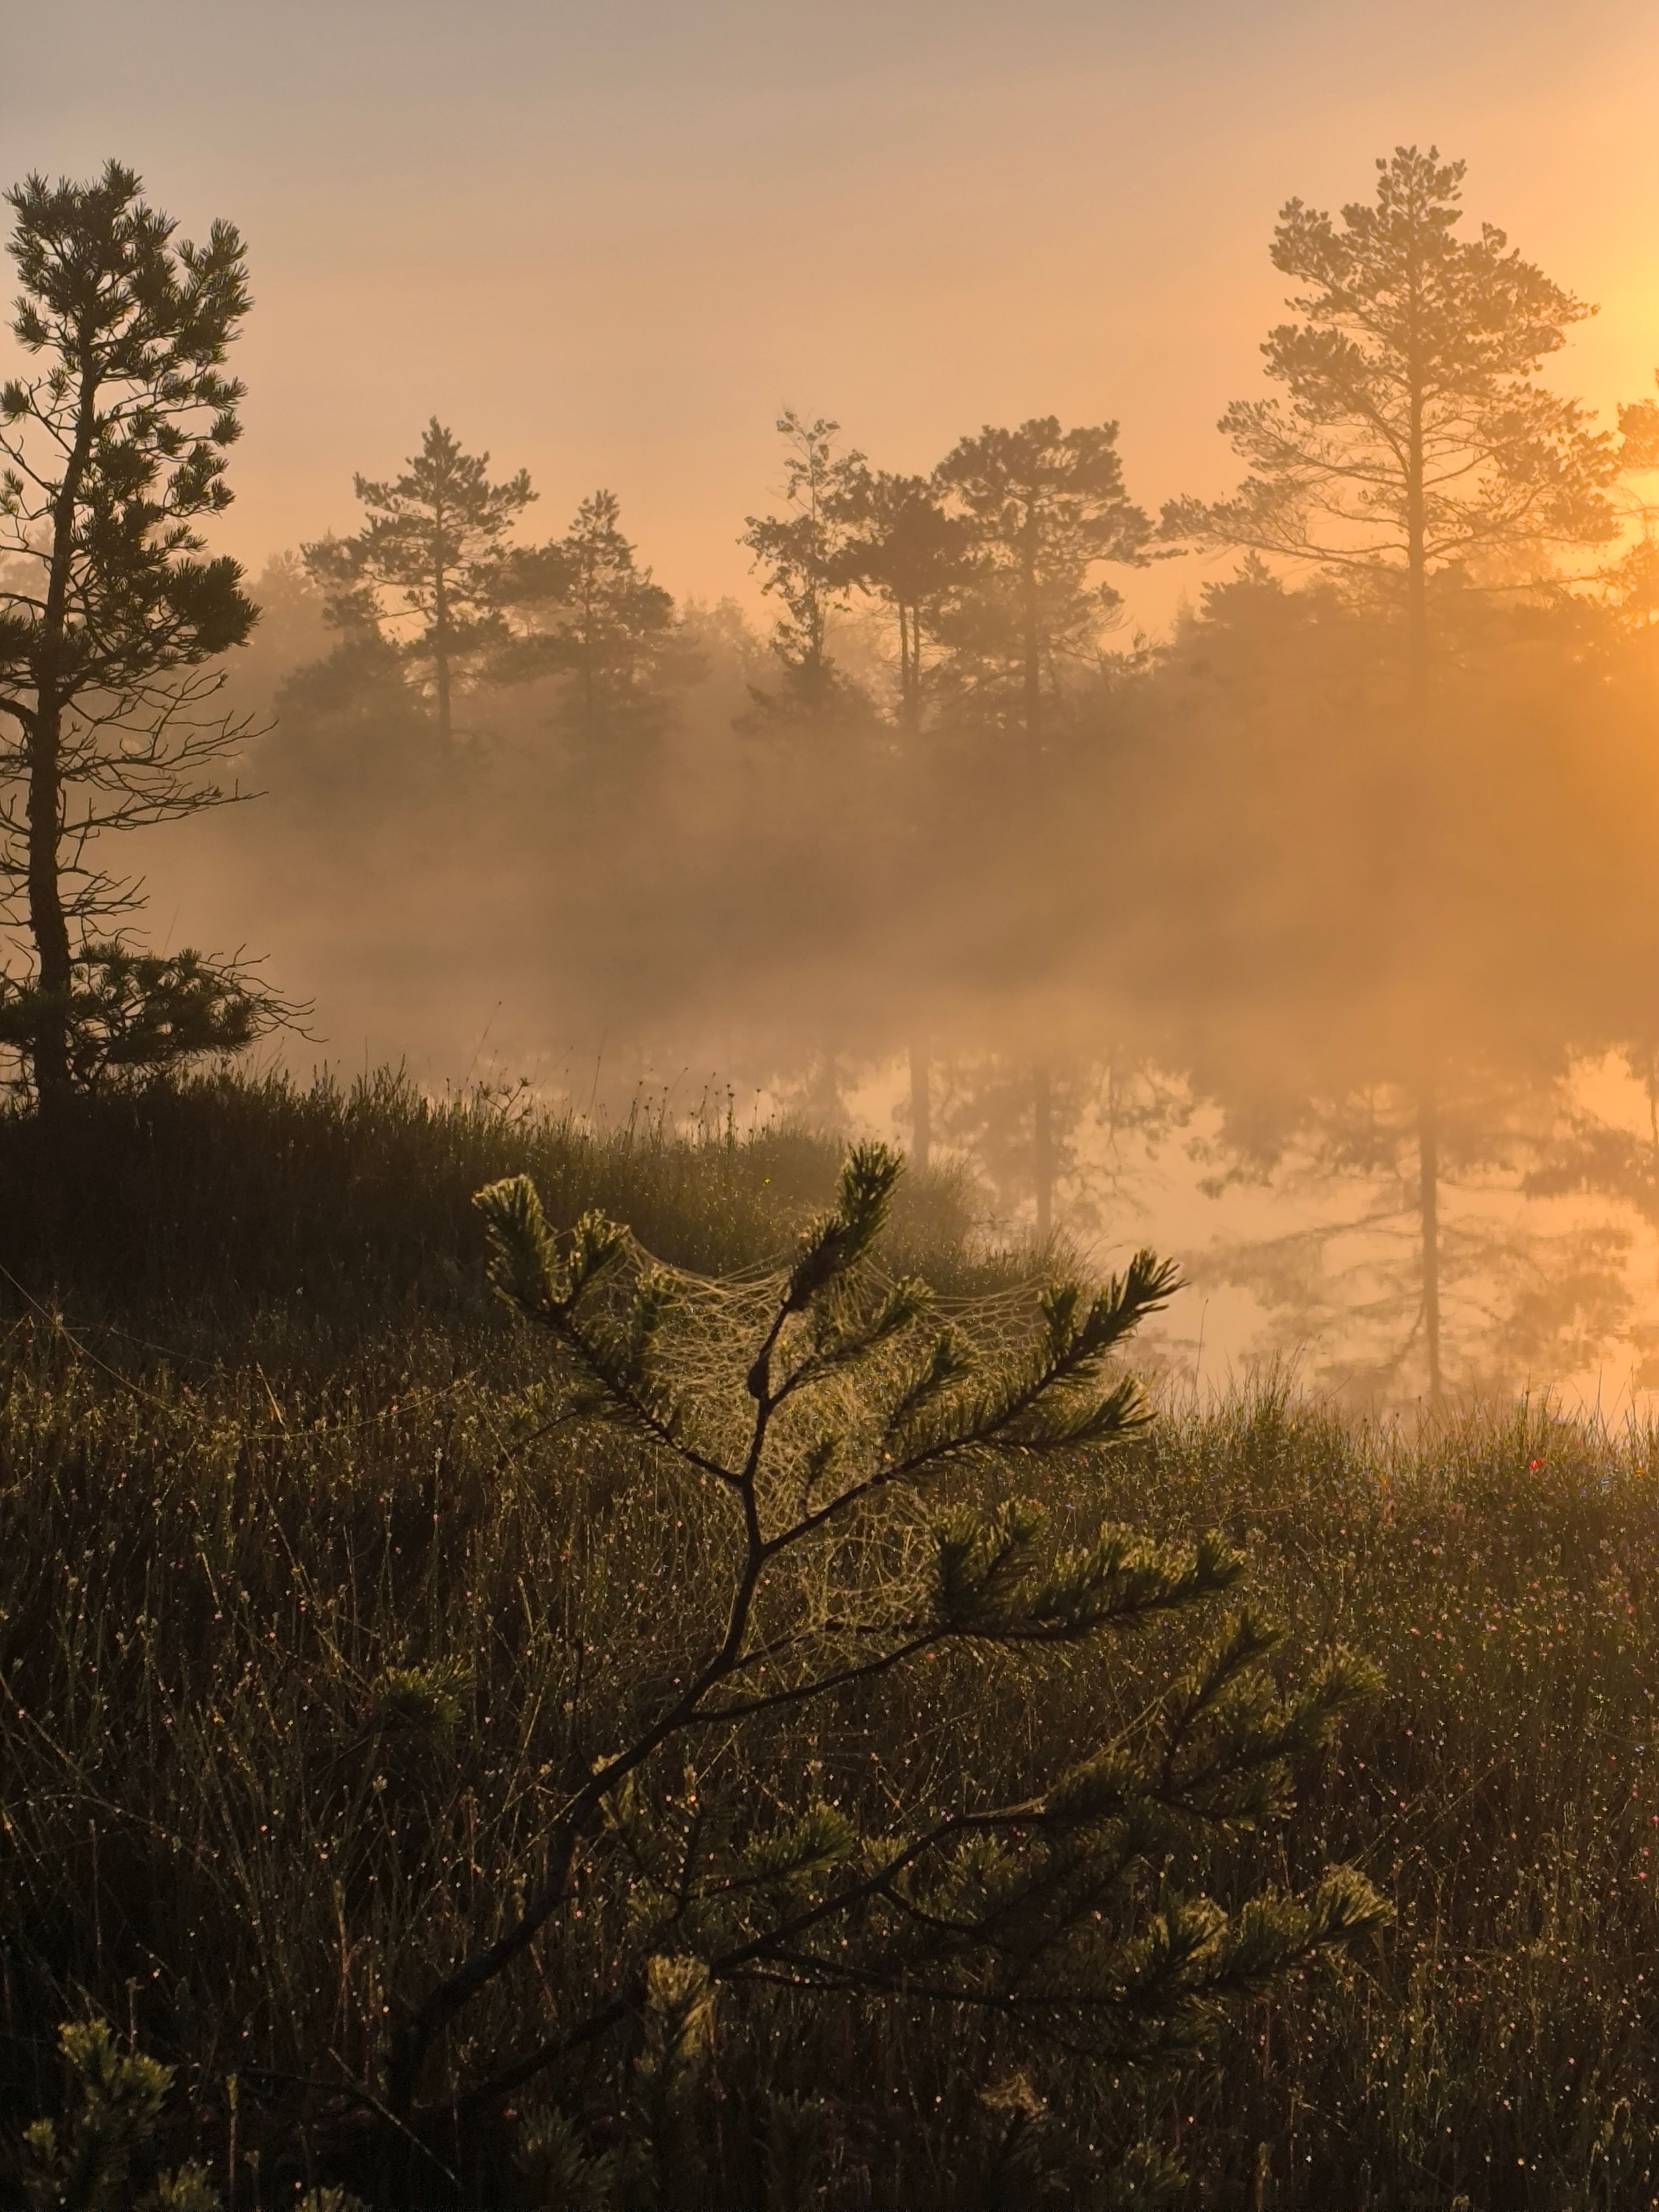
[[1413, 442], [112, 455], [427, 566], [863, 1447], [84, 2162], [904, 549], [1414, 436], [901, 548], [1044, 509], [803, 554], [595, 617]]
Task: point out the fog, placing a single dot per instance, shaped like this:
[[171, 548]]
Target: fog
[[860, 682]]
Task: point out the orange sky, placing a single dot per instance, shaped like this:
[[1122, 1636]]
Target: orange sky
[[608, 240]]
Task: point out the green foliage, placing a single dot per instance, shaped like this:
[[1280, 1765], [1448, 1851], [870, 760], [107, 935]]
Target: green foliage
[[187, 2189], [134, 331], [559, 2175], [795, 2130], [83, 2164], [664, 2166], [111, 455], [817, 1405], [130, 1015], [424, 1701]]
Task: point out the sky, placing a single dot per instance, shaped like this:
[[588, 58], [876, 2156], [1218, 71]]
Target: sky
[[608, 240]]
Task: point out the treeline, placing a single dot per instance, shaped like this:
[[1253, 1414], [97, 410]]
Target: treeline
[[1346, 880], [1343, 884]]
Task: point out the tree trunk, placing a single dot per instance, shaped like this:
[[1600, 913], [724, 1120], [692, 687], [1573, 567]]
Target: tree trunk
[[1428, 1214], [440, 654], [48, 924], [1417, 574], [1033, 694], [1042, 1152], [1042, 1132], [909, 669], [1417, 682], [922, 1108]]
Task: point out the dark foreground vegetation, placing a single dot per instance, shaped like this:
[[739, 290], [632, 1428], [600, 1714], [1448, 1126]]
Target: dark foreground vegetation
[[321, 1595]]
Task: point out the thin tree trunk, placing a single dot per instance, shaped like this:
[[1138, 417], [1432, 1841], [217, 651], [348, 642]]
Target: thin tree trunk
[[1417, 573], [48, 923], [921, 1107], [1033, 695], [440, 656], [909, 670], [589, 649], [1042, 1152], [1417, 679], [1428, 1210], [1042, 1132]]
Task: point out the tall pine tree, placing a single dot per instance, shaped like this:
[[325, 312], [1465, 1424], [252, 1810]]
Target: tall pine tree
[[1414, 442], [114, 451]]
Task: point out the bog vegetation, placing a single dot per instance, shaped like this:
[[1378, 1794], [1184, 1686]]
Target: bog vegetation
[[426, 1746], [567, 1662]]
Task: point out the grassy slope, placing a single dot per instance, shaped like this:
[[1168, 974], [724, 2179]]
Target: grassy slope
[[305, 1615]]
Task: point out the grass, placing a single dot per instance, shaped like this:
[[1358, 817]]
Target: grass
[[310, 1608], [233, 1217], [1503, 1797]]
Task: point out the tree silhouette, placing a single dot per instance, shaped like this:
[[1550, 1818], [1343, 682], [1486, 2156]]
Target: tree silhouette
[[1043, 509], [432, 547], [596, 617], [113, 454], [904, 549], [803, 553], [1414, 440]]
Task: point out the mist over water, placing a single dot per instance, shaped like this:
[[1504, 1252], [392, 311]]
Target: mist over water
[[1217, 928], [1176, 833]]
